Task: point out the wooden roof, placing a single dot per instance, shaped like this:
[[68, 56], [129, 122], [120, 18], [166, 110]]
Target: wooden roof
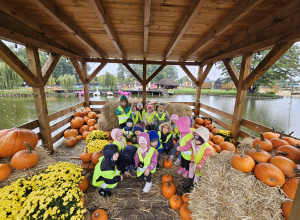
[[175, 30], [166, 82]]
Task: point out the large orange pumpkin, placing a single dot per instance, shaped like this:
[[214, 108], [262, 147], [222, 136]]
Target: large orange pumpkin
[[70, 141], [210, 127], [264, 144], [12, 141], [290, 140], [184, 212], [91, 128], [243, 162], [206, 121], [70, 133], [218, 139], [268, 135], [199, 121], [259, 155], [86, 156], [278, 142], [286, 209], [168, 189], [86, 119], [84, 112], [175, 202], [167, 163], [83, 129], [85, 134], [95, 157], [91, 122], [269, 174], [217, 148], [197, 126], [290, 152], [211, 136], [24, 159], [76, 122], [87, 109], [227, 146], [290, 187], [92, 115], [165, 178], [5, 171], [185, 198], [84, 184], [286, 165], [78, 114], [99, 214]]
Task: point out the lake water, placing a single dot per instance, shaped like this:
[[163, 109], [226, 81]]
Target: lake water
[[283, 114]]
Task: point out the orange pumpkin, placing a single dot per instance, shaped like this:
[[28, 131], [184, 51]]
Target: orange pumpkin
[[211, 136], [243, 162], [86, 156], [290, 140], [167, 163], [70, 141], [168, 189], [91, 128], [286, 165], [206, 121], [96, 126], [85, 134], [83, 129], [99, 214], [227, 146], [108, 134], [70, 133], [91, 122], [84, 112], [259, 155], [197, 126], [86, 119], [290, 187], [185, 198], [76, 122], [269, 174], [210, 127], [24, 159], [268, 135], [165, 178], [175, 202], [92, 115], [218, 139], [184, 212], [286, 209], [264, 144], [84, 184], [87, 109], [95, 157], [82, 199], [12, 141], [5, 171], [211, 143], [217, 148], [78, 114], [278, 142], [290, 152], [215, 130], [79, 137], [199, 121]]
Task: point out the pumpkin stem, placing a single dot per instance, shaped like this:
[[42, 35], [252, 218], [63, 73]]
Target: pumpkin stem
[[169, 184], [86, 150], [296, 171], [258, 149], [256, 161], [283, 153], [176, 198], [243, 152], [97, 214], [28, 147], [297, 146], [273, 129], [262, 137], [281, 135], [290, 133]]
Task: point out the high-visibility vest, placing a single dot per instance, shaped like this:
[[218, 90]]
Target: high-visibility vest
[[176, 132], [108, 174], [163, 117], [136, 118], [186, 154], [146, 161], [123, 117], [142, 115], [125, 132], [200, 155], [168, 137], [151, 117], [119, 145]]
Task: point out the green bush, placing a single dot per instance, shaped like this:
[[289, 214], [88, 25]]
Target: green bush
[[271, 91]]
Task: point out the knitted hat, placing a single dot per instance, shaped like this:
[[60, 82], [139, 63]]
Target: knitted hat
[[127, 155], [153, 136], [116, 132], [139, 105], [144, 138], [137, 128], [173, 117], [150, 106], [109, 150]]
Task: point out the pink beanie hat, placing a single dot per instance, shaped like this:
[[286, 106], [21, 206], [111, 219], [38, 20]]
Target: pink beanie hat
[[173, 117], [150, 106]]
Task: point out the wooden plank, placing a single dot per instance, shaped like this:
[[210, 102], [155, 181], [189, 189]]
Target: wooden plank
[[61, 123], [98, 102], [78, 69], [55, 13], [266, 63], [189, 74], [147, 10], [96, 71], [49, 66], [186, 103], [17, 65], [198, 92], [65, 111], [155, 73], [133, 73], [232, 70], [295, 211], [105, 21], [217, 111], [59, 135], [188, 18], [144, 83], [30, 125], [217, 121], [237, 14], [244, 134]]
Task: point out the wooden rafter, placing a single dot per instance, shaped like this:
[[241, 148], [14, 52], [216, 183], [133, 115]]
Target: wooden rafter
[[266, 63], [54, 12], [204, 75], [17, 65], [239, 12], [232, 70], [147, 10], [18, 31], [189, 74], [144, 83], [133, 73], [96, 71], [79, 71], [105, 21], [282, 26], [189, 16], [49, 66], [155, 73]]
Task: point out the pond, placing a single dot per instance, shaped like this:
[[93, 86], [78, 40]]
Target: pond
[[282, 114]]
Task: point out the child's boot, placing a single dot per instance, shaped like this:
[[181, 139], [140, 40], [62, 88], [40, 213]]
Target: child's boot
[[172, 157], [102, 192], [147, 187], [180, 170], [188, 183], [185, 174], [177, 162]]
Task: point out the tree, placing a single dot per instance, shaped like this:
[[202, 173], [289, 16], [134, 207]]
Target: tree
[[184, 79], [67, 81], [109, 81], [8, 77], [285, 68], [51, 81]]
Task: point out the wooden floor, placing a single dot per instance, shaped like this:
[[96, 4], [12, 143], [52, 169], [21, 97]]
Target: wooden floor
[[127, 200]]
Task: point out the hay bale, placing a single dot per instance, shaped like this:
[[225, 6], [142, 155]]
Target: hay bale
[[226, 193], [247, 143], [179, 109]]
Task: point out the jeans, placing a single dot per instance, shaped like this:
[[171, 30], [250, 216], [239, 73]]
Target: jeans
[[174, 151]]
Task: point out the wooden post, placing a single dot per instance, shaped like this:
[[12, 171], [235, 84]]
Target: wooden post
[[295, 211], [40, 98], [198, 91], [240, 97], [85, 85], [144, 83]]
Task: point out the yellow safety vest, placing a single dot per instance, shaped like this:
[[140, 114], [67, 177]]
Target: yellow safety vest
[[136, 118], [163, 117], [119, 145], [146, 161], [124, 132], [123, 117], [186, 154], [168, 137], [151, 117], [200, 155]]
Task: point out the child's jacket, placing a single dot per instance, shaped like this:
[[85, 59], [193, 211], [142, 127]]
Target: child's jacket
[[127, 111], [166, 139], [186, 137], [153, 135]]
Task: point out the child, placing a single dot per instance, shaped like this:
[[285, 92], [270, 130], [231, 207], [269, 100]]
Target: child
[[161, 116], [165, 137], [173, 120], [149, 117], [119, 140], [155, 143], [123, 111], [185, 147], [135, 115], [127, 130], [137, 130], [146, 160], [176, 137], [142, 113], [106, 175], [201, 151], [126, 159]]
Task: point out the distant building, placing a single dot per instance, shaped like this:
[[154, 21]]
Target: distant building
[[167, 83], [186, 84], [207, 84], [219, 84]]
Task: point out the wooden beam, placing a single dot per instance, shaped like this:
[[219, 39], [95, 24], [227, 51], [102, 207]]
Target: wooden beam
[[144, 83], [95, 72], [105, 21], [240, 97], [281, 26], [189, 74], [49, 67], [40, 98], [78, 69], [295, 211], [17, 31], [147, 10], [266, 63], [155, 73], [232, 70], [237, 14], [85, 85], [188, 18], [55, 13], [17, 65], [198, 92], [204, 75], [133, 73]]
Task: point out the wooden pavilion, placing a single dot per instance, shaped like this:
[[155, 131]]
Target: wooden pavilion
[[162, 32]]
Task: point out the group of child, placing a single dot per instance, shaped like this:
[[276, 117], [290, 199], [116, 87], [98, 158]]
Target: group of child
[[150, 133]]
